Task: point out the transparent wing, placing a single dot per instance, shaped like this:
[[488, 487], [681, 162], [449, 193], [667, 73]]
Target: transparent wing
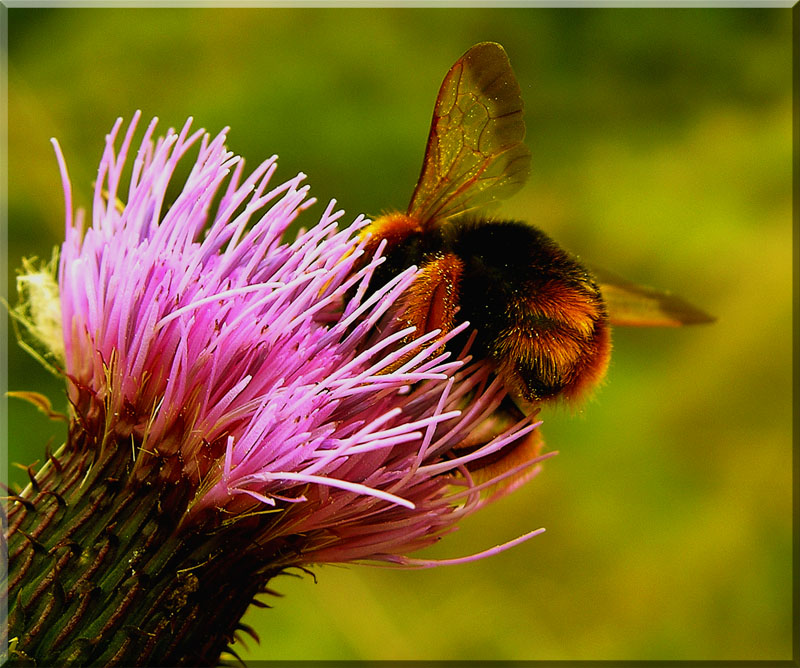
[[635, 305], [475, 153]]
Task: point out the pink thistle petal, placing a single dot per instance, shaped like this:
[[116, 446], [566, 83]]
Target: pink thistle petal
[[497, 549], [332, 482]]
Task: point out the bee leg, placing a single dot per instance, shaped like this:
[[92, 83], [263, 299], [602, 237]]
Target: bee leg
[[512, 458], [429, 304], [505, 416], [432, 300], [514, 467]]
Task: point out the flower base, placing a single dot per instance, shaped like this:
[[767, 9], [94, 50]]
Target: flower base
[[101, 574]]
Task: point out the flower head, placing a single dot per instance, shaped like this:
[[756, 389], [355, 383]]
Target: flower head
[[243, 400], [254, 370]]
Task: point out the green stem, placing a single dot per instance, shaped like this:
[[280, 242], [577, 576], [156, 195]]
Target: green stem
[[101, 574]]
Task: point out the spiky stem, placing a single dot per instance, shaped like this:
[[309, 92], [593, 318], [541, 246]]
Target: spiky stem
[[100, 573]]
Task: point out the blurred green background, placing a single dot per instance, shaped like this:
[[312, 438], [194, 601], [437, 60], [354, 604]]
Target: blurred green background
[[662, 150]]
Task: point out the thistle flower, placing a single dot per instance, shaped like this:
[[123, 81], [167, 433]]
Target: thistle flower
[[240, 404]]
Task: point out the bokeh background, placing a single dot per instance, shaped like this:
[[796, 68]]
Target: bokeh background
[[662, 150]]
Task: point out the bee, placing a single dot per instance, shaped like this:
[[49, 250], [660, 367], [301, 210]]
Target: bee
[[541, 317]]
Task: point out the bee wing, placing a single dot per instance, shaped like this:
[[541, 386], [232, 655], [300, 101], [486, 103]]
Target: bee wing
[[635, 305], [475, 153]]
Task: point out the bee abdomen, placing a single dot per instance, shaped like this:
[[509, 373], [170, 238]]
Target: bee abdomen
[[556, 341]]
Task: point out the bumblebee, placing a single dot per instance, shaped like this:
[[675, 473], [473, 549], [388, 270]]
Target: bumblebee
[[540, 316]]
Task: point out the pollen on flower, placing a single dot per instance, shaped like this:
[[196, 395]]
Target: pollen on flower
[[39, 312]]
